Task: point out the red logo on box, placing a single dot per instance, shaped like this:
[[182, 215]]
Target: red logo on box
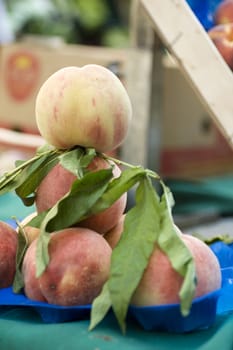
[[21, 74]]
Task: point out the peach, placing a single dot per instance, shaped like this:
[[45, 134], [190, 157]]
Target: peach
[[53, 187], [30, 231], [160, 283], [8, 249], [87, 106], [79, 266], [224, 12], [222, 37], [114, 235], [58, 182]]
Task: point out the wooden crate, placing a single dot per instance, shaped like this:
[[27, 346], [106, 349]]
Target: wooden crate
[[170, 28]]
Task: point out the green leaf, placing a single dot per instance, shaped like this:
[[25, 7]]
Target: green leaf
[[100, 307], [38, 219], [19, 162], [77, 204], [46, 148], [18, 282], [42, 254], [89, 155], [33, 175], [70, 160], [77, 160], [179, 255], [12, 180], [28, 201], [130, 256], [117, 187], [8, 182]]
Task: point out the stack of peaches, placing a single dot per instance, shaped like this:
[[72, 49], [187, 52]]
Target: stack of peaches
[[222, 31], [82, 114]]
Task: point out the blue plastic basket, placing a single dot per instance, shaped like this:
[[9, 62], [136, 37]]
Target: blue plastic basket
[[204, 11], [169, 318], [49, 313]]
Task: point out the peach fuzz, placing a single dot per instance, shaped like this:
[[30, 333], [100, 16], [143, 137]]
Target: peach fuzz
[[79, 266], [160, 283], [58, 182], [87, 106], [8, 249]]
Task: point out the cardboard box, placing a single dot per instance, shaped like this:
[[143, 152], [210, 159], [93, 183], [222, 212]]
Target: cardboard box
[[191, 144]]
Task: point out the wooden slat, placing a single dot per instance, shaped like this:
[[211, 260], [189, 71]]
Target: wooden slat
[[16, 139], [197, 58], [138, 83]]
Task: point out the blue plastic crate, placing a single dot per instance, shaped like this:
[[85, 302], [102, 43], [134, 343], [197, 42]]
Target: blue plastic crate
[[204, 10]]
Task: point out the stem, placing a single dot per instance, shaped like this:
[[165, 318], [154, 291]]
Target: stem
[[149, 172], [115, 160]]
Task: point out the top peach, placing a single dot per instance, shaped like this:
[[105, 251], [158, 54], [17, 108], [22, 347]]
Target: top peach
[[87, 106]]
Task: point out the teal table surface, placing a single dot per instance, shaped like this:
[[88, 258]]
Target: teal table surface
[[21, 328], [214, 194], [11, 206]]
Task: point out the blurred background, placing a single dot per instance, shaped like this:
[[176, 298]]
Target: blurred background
[[89, 22]]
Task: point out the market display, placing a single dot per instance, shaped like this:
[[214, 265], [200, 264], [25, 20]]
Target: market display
[[80, 196]]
